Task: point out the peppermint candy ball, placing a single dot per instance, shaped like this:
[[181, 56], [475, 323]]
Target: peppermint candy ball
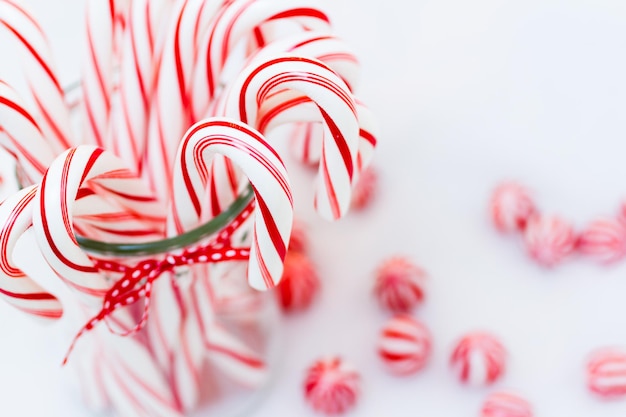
[[478, 359], [331, 386], [399, 285], [505, 404], [405, 345], [549, 239], [300, 282], [511, 207], [299, 240], [603, 240], [606, 373], [364, 190]]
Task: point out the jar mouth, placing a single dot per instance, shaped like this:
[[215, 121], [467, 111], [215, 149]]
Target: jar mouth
[[176, 242]]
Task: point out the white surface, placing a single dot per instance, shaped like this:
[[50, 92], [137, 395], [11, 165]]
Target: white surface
[[468, 94]]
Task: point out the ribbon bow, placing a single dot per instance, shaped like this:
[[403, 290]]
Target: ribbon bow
[[136, 281]]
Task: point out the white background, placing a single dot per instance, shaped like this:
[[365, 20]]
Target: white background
[[468, 93]]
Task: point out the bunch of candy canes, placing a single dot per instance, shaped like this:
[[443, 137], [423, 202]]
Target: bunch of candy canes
[[177, 97]]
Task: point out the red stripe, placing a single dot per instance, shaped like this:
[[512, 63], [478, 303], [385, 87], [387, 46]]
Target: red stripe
[[28, 296], [20, 110], [340, 141], [7, 229], [270, 223], [46, 229], [51, 123], [301, 12], [367, 136], [35, 55]]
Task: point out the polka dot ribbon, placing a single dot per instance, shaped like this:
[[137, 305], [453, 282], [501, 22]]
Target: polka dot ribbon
[[136, 281]]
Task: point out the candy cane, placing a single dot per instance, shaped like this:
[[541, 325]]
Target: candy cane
[[134, 383], [52, 217], [21, 135], [232, 23], [279, 76], [264, 168], [147, 19], [175, 340], [17, 288], [231, 355], [97, 74], [51, 112], [170, 111]]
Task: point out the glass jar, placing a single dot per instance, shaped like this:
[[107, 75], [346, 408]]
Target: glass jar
[[208, 344]]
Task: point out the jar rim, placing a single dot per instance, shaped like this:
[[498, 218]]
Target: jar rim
[[172, 243]]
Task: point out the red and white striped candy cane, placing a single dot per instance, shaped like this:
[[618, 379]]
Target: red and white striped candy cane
[[267, 174], [603, 240], [50, 111], [335, 53], [606, 373], [170, 113], [335, 108], [134, 383], [99, 62], [147, 20], [16, 287], [21, 135], [505, 404], [291, 107], [53, 213], [233, 23], [241, 363]]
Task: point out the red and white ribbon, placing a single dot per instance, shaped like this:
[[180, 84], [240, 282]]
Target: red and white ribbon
[[267, 174]]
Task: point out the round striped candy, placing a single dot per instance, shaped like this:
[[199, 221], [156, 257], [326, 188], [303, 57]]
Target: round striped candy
[[331, 386], [478, 359], [606, 373], [399, 285], [405, 345], [511, 207], [505, 404], [364, 190], [603, 240], [549, 239], [300, 282]]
